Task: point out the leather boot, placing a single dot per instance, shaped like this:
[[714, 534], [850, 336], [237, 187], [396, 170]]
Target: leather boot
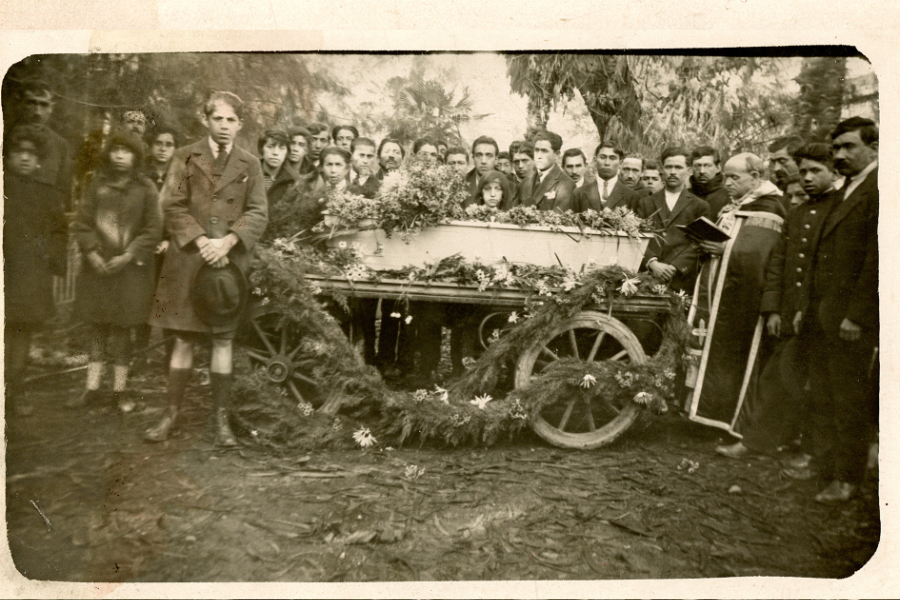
[[221, 393], [178, 380]]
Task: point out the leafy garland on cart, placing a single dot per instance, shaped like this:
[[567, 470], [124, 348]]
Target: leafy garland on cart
[[420, 195], [465, 413]]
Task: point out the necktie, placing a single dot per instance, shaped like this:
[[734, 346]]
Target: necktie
[[605, 191], [221, 159]]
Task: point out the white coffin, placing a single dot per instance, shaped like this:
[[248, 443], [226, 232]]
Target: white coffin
[[491, 243]]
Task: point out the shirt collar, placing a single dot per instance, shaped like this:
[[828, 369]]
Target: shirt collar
[[611, 182], [214, 146], [865, 172]]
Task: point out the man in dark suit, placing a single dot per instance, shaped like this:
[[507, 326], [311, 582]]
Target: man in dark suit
[[841, 313], [574, 163], [484, 159], [707, 182], [607, 190], [675, 258], [547, 187]]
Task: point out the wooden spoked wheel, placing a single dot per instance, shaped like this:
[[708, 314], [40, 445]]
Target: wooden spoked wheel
[[274, 344], [575, 423]]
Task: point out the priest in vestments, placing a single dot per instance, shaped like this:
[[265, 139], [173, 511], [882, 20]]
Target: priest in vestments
[[754, 219]]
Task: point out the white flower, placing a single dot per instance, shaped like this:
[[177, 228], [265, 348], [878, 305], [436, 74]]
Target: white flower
[[569, 283], [306, 408], [264, 301], [316, 290], [643, 398], [660, 289], [513, 317], [413, 472], [342, 245], [364, 437], [254, 433], [481, 401], [551, 195], [518, 411], [337, 425], [420, 395], [443, 395], [669, 374], [395, 315], [629, 286], [588, 381], [408, 319], [468, 362]]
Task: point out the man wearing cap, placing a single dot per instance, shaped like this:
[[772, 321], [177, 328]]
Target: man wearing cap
[[214, 202]]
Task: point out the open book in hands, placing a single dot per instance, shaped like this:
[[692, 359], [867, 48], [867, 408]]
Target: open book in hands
[[704, 230]]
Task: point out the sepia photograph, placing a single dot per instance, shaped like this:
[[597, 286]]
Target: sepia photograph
[[348, 317]]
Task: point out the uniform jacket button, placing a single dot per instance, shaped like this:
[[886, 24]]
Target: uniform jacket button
[[806, 226], [799, 284], [215, 198], [803, 240], [812, 212], [213, 220], [799, 269], [801, 255]]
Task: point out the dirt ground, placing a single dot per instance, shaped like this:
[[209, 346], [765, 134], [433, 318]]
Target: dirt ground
[[658, 503]]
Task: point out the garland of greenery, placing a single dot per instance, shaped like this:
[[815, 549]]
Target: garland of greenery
[[462, 414]]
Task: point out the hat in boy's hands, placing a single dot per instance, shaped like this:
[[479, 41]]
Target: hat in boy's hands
[[219, 295]]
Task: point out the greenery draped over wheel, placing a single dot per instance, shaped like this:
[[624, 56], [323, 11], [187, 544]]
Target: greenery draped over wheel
[[466, 412]]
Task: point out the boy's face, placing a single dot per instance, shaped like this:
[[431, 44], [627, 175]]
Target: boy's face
[[299, 149], [163, 148], [362, 159], [652, 179], [505, 165], [523, 164], [121, 158], [796, 194], [223, 123], [815, 177], [334, 169], [607, 162], [23, 159], [274, 153]]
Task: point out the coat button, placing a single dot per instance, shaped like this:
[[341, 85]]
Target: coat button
[[231, 201], [801, 255], [215, 198], [799, 284], [812, 212], [803, 240], [806, 226], [799, 269], [213, 220]]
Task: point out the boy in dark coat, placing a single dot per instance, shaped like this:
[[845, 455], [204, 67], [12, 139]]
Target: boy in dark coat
[[34, 249], [118, 227], [215, 210]]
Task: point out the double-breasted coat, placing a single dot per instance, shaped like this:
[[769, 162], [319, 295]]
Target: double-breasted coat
[[116, 216], [196, 203], [34, 247]]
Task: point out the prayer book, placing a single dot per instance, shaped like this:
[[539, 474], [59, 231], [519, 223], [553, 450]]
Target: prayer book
[[704, 230]]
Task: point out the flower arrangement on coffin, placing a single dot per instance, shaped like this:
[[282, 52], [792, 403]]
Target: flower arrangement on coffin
[[344, 208], [419, 195]]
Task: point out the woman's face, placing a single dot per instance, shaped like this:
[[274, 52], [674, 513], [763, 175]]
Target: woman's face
[[121, 158], [334, 169], [492, 194], [274, 153]]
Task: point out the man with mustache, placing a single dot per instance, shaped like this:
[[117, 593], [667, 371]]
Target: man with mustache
[[37, 102], [673, 260], [390, 155], [841, 314], [781, 161], [706, 182], [630, 171]]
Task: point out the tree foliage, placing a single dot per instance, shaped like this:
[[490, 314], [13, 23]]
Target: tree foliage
[[605, 82], [818, 107]]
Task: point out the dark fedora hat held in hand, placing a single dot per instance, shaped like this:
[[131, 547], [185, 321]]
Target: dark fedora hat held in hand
[[219, 295]]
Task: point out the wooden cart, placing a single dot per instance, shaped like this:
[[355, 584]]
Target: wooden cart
[[599, 332]]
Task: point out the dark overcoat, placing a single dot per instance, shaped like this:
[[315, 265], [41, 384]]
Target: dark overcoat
[[674, 248], [116, 216], [788, 270], [195, 203], [34, 247]]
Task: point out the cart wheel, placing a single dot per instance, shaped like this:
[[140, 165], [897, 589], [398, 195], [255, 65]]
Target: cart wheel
[[272, 343], [590, 336]]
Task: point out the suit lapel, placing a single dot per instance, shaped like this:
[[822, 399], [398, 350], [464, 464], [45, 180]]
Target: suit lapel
[[236, 165], [592, 194], [845, 207], [203, 158], [680, 205], [662, 209], [617, 195], [545, 186]]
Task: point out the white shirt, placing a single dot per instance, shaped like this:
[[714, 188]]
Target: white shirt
[[609, 183], [859, 178], [671, 199], [214, 146]]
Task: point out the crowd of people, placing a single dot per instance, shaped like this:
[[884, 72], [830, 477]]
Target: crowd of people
[[166, 230]]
